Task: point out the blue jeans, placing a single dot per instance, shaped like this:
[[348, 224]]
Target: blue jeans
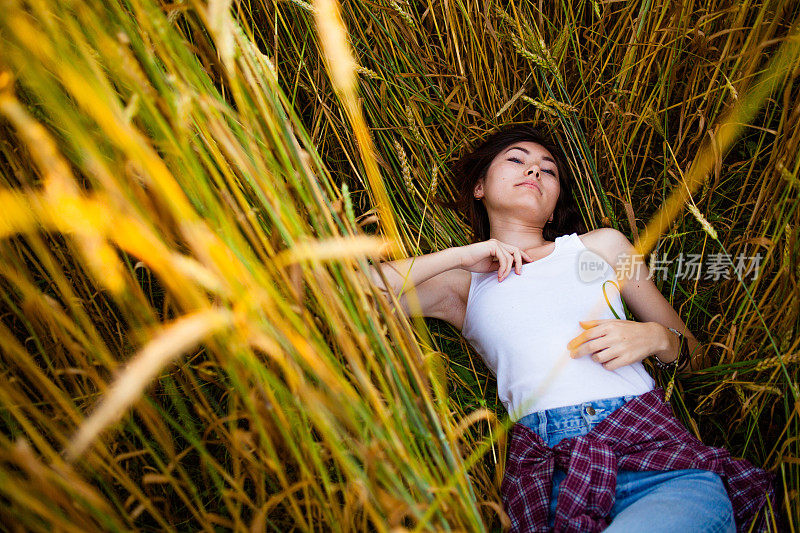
[[649, 500]]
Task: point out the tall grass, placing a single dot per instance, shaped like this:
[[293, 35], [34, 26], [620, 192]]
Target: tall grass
[[189, 339]]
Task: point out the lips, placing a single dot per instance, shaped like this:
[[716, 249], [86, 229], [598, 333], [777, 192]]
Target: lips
[[530, 184]]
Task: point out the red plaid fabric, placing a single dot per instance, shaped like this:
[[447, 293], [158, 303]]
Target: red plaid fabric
[[642, 434]]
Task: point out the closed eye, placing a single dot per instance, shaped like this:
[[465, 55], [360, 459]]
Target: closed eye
[[517, 160]]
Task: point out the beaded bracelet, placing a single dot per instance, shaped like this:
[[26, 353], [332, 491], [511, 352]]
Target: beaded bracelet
[[678, 362]]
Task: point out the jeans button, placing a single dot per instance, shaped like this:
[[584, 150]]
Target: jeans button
[[590, 410]]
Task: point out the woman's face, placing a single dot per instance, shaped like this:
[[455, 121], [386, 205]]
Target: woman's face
[[522, 181]]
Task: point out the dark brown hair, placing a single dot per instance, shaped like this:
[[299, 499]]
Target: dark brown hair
[[472, 166]]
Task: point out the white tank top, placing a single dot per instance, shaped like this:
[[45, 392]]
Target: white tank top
[[521, 327]]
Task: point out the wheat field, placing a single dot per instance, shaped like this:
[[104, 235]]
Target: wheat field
[[193, 193]]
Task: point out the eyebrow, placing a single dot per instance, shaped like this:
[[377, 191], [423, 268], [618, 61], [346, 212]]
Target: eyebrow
[[545, 158]]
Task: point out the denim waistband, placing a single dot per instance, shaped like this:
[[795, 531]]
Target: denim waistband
[[587, 414]]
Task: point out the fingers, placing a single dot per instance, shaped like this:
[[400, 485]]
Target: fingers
[[518, 257], [585, 336], [610, 360], [501, 258], [509, 264], [509, 257], [518, 253], [500, 255], [598, 349], [515, 259], [579, 347], [512, 258], [603, 355]]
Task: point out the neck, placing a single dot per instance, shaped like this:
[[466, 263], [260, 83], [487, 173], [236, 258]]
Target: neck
[[526, 236]]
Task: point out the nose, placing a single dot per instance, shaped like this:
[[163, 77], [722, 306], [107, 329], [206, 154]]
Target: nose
[[531, 171]]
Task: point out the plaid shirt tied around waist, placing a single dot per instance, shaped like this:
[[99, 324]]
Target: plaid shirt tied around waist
[[642, 434]]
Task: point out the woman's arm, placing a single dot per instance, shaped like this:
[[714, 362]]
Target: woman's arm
[[413, 272], [441, 279], [643, 297]]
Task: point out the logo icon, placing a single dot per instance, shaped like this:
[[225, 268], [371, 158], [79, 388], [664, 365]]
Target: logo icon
[[590, 266]]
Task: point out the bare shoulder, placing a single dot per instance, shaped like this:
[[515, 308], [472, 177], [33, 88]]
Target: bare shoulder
[[608, 243]]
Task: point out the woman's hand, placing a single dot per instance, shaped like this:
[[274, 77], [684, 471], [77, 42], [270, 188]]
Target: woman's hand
[[490, 255], [615, 343]]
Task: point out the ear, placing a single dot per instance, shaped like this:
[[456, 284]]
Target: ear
[[478, 190]]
